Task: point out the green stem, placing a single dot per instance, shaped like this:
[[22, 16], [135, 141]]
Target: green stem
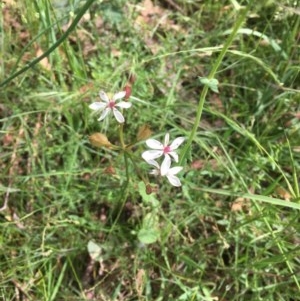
[[123, 146], [121, 135], [211, 76], [82, 11], [126, 168], [137, 170]]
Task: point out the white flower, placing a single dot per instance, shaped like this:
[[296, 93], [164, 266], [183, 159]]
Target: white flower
[[165, 170], [110, 105], [155, 171], [159, 149]]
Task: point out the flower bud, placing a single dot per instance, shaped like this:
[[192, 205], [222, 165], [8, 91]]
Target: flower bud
[[132, 78], [127, 90], [143, 133], [110, 170], [148, 189], [99, 140]]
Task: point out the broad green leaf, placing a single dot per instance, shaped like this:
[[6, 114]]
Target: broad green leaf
[[148, 236], [149, 233], [211, 83], [147, 198]]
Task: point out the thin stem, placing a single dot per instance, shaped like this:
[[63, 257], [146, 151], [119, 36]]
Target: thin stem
[[211, 76], [126, 168], [137, 169], [121, 135], [81, 12]]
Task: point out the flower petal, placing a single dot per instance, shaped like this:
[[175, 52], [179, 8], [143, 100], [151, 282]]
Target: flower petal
[[174, 180], [118, 115], [154, 163], [104, 96], [165, 166], [124, 104], [151, 155], [119, 95], [155, 171], [96, 106], [175, 170], [104, 114], [174, 155], [175, 144], [167, 139], [154, 144]]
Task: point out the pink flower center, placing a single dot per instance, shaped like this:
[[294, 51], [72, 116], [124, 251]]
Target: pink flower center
[[167, 149], [111, 104]]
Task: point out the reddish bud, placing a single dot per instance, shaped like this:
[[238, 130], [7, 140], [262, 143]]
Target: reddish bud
[[148, 189], [132, 78], [110, 170], [127, 89]]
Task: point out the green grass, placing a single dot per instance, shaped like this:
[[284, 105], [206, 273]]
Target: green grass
[[231, 232]]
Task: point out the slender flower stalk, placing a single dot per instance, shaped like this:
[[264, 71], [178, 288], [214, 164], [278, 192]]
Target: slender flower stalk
[[238, 23]]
